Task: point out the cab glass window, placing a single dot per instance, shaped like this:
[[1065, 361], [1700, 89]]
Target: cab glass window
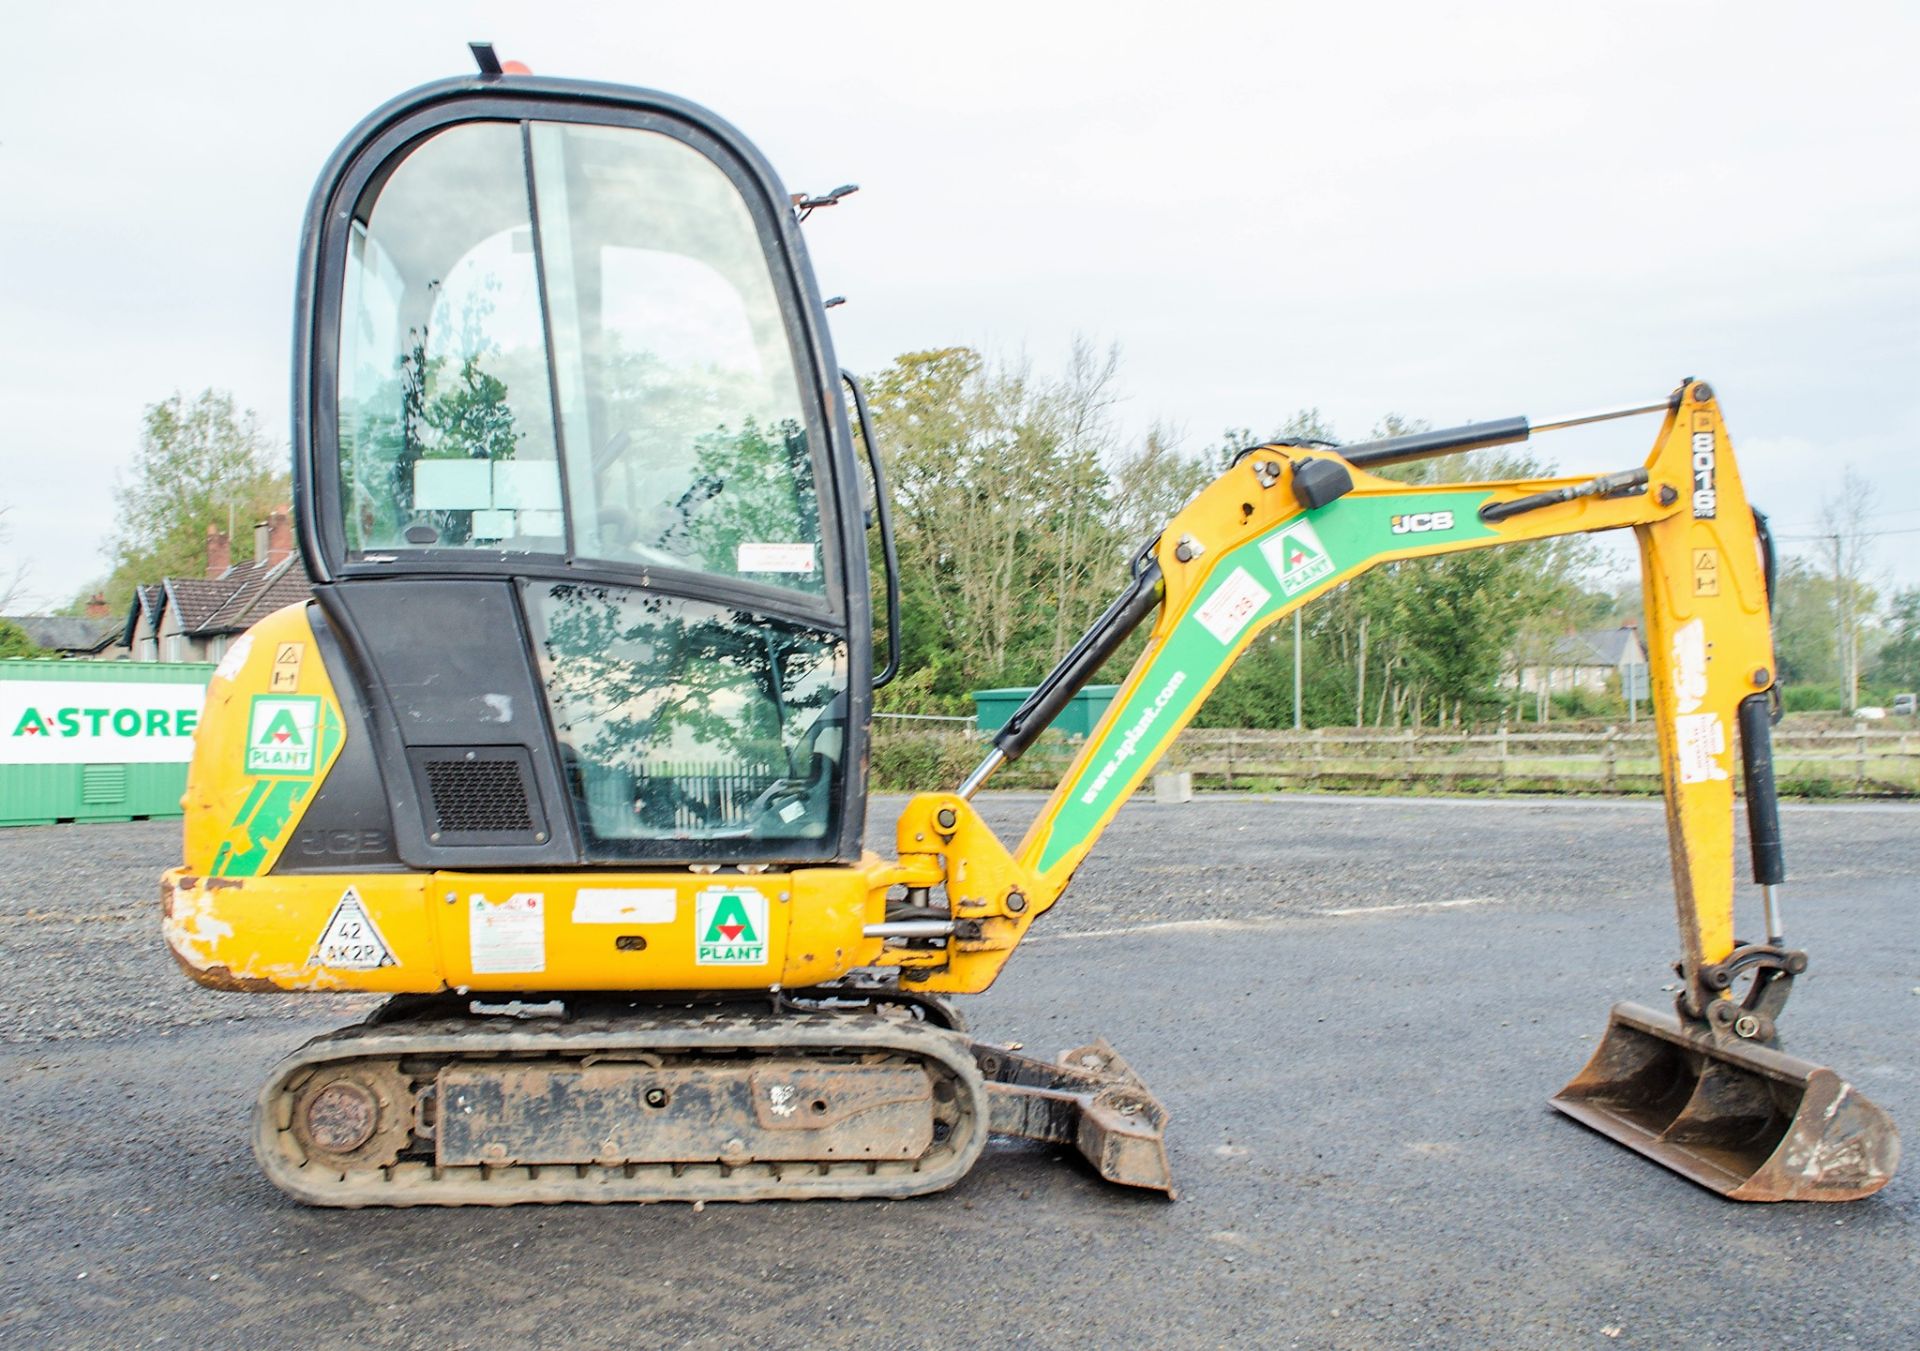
[[566, 339], [687, 722], [446, 423]]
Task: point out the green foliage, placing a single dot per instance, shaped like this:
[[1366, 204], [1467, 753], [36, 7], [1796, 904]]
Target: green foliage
[[1016, 510], [906, 759], [15, 643], [1829, 697], [1897, 664], [1584, 703], [200, 462], [1803, 625]]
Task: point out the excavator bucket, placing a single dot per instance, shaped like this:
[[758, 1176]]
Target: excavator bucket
[[1747, 1121]]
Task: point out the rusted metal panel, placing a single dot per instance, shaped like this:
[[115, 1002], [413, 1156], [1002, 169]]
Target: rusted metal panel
[[1089, 1098], [785, 1110]]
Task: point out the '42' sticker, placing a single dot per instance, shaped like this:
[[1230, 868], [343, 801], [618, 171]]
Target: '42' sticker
[[351, 941]]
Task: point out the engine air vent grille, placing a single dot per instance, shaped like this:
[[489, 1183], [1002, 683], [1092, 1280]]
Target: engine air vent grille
[[479, 795], [483, 795]]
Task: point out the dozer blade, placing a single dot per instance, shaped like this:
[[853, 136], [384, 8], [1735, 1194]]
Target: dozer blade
[[1747, 1121], [1091, 1099]]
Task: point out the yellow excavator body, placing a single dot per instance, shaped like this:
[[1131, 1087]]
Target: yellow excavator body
[[578, 778]]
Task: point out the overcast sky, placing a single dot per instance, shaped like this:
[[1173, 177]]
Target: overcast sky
[[1451, 212]]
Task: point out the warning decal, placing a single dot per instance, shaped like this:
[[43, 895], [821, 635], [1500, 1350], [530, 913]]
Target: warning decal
[[509, 938], [1706, 572], [1233, 606], [1701, 739], [286, 668], [1298, 557], [351, 941], [730, 927]]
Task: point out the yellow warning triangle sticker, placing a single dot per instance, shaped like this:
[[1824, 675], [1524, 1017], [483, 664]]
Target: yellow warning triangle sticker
[[351, 941]]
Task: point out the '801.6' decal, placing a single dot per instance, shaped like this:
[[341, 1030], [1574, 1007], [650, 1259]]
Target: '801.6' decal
[[1706, 470]]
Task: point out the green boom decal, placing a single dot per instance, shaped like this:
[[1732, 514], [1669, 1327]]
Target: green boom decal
[[1251, 584]]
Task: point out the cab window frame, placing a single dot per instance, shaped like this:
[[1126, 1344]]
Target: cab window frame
[[357, 181]]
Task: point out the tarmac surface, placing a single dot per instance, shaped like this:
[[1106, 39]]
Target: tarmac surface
[[1354, 1009]]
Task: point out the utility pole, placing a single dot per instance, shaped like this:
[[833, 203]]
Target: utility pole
[[1297, 668]]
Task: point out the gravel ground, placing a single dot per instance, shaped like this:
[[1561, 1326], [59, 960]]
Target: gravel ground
[[1353, 1008]]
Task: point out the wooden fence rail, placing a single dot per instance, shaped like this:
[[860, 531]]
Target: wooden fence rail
[[1861, 760]]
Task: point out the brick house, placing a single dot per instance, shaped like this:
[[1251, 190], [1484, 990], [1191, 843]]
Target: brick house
[[93, 636], [197, 618]]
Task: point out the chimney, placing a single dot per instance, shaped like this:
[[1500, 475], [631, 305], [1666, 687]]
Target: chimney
[[261, 530], [279, 536], [219, 552], [97, 606]]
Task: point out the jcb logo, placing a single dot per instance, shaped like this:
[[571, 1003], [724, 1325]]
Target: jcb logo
[[1706, 494], [1421, 522]]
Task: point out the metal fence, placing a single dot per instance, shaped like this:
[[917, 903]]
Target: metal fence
[[700, 794]]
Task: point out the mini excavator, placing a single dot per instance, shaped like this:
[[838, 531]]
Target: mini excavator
[[567, 752]]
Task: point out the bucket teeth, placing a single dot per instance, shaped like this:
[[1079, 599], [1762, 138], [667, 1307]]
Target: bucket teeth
[[1747, 1121]]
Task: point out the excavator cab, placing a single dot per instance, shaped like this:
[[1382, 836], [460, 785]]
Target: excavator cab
[[564, 361]]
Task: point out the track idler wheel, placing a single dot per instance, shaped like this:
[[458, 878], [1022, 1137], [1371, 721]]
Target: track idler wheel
[[1743, 1119], [348, 1117]]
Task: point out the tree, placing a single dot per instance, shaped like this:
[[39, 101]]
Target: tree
[[1844, 549], [14, 642], [1011, 522], [13, 576], [1897, 664], [201, 462], [1803, 625]]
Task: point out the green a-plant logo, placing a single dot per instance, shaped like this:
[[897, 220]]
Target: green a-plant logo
[[1298, 557], [281, 732], [729, 927]]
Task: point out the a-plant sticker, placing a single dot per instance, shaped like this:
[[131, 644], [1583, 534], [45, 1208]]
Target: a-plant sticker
[[281, 732], [1298, 557], [730, 927]]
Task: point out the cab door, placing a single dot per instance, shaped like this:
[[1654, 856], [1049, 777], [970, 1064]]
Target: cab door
[[577, 488]]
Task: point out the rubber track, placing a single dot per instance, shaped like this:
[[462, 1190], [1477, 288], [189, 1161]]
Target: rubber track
[[427, 1043]]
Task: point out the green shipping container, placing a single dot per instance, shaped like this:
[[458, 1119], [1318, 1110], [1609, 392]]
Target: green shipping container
[[96, 740], [1081, 715]]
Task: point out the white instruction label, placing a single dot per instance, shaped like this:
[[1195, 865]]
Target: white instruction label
[[625, 905], [351, 941], [1701, 739], [1690, 665], [758, 557], [1233, 606], [509, 937]]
